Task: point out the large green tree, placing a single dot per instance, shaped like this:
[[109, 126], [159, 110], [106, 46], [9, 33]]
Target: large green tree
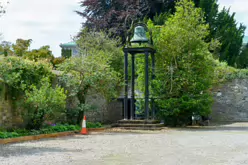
[[223, 27], [230, 35], [184, 65]]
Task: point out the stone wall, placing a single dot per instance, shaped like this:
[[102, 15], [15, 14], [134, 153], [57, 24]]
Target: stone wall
[[231, 102], [230, 105], [5, 108], [105, 112]]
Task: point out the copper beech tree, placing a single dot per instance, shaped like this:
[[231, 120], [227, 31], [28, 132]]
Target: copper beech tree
[[115, 16]]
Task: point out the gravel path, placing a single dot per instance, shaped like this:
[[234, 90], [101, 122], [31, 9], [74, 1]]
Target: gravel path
[[171, 147]]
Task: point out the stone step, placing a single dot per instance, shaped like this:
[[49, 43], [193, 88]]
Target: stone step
[[139, 121], [142, 128], [138, 125]]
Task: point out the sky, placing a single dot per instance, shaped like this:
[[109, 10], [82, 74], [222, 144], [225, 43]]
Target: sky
[[46, 22], [240, 7], [51, 22]]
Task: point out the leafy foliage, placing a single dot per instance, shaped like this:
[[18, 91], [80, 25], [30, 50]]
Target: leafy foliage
[[43, 103], [21, 74], [21, 46], [56, 61], [242, 59], [94, 71], [115, 16], [46, 130], [5, 47], [224, 73], [230, 35], [44, 53], [184, 65]]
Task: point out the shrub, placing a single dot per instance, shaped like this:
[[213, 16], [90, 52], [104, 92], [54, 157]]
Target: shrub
[[184, 65], [43, 104], [46, 130], [93, 125]]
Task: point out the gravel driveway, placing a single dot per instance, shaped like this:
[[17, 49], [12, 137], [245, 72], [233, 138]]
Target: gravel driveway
[[171, 147]]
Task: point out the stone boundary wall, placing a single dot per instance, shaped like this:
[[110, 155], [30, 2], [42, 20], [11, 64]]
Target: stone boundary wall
[[230, 105], [231, 102], [5, 108], [105, 112]]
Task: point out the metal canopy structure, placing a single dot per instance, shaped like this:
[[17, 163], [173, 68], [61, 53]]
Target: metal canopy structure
[[147, 51]]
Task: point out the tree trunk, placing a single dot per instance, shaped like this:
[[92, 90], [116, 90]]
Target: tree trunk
[[82, 98]]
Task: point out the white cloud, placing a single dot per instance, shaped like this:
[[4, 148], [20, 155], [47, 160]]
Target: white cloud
[[47, 22], [51, 22], [240, 7]]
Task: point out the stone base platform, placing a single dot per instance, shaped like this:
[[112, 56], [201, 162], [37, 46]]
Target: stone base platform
[[139, 125]]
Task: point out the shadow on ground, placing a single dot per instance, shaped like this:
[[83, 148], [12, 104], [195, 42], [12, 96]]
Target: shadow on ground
[[238, 126], [16, 150]]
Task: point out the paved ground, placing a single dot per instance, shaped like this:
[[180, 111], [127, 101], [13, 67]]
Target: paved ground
[[222, 146]]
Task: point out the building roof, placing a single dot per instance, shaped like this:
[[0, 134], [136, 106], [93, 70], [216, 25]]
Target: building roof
[[245, 39], [68, 45]]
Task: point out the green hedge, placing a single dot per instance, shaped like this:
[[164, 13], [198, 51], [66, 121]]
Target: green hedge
[[45, 130]]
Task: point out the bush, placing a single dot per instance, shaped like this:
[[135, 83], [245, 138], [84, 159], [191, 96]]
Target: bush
[[46, 130], [93, 125], [45, 103], [184, 66]]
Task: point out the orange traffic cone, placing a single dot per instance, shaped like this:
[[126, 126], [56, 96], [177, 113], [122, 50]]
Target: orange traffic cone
[[84, 129]]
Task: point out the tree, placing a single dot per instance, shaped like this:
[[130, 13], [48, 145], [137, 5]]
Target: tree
[[224, 28], [230, 35], [242, 59], [94, 71], [44, 53], [5, 47], [184, 65], [115, 16], [21, 47]]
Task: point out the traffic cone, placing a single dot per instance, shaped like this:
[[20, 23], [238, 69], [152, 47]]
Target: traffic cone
[[84, 129]]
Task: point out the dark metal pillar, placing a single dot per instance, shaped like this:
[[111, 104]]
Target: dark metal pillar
[[153, 77], [133, 85], [146, 85], [126, 85]]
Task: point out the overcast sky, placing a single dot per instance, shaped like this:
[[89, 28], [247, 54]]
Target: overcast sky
[[51, 22], [46, 22]]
